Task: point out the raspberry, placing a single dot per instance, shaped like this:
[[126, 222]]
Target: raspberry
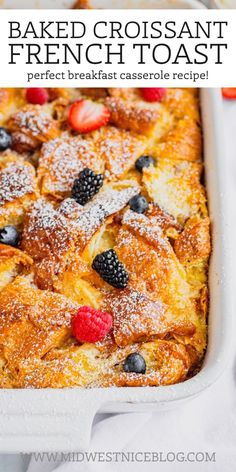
[[153, 94], [90, 325], [37, 96]]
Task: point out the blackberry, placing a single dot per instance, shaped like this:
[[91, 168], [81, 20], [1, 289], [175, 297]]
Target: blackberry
[[138, 203], [86, 186], [9, 235], [135, 363], [111, 269], [5, 139], [144, 161]]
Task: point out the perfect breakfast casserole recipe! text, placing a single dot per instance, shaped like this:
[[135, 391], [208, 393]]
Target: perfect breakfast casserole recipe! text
[[104, 237]]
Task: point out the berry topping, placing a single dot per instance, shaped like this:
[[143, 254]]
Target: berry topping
[[90, 325], [86, 186], [135, 363], [138, 203], [9, 235], [144, 161], [5, 139], [37, 96], [86, 116], [229, 93], [111, 269], [153, 94]]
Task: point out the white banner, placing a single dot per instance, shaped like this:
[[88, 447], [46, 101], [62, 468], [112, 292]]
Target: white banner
[[110, 48]]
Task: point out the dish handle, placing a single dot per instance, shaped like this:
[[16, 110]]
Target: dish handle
[[47, 420]]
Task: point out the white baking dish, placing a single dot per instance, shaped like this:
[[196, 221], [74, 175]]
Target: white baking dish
[[53, 419]]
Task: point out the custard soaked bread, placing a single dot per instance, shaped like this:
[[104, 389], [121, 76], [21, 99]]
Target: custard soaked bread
[[104, 237]]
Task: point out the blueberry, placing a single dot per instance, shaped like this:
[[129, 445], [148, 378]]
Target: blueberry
[[144, 161], [138, 203], [5, 139], [135, 363], [9, 235]]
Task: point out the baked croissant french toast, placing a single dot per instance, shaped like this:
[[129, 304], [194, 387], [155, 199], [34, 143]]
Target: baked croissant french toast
[[104, 237]]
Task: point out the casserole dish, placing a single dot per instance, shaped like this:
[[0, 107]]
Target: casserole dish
[[61, 419]]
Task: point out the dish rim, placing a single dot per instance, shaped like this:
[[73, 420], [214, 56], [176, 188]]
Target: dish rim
[[55, 404]]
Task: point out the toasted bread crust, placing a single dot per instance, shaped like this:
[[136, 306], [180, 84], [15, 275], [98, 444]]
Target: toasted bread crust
[[162, 313]]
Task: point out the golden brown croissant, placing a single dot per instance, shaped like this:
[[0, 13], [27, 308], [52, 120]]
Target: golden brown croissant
[[104, 239]]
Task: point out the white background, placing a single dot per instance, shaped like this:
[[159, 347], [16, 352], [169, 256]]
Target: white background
[[219, 75]]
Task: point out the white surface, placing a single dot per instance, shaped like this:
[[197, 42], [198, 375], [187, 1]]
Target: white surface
[[207, 423]]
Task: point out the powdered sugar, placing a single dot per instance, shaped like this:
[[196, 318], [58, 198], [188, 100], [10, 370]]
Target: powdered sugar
[[47, 233], [43, 215], [33, 120], [87, 219], [16, 180], [61, 161], [144, 226], [136, 318], [119, 149]]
